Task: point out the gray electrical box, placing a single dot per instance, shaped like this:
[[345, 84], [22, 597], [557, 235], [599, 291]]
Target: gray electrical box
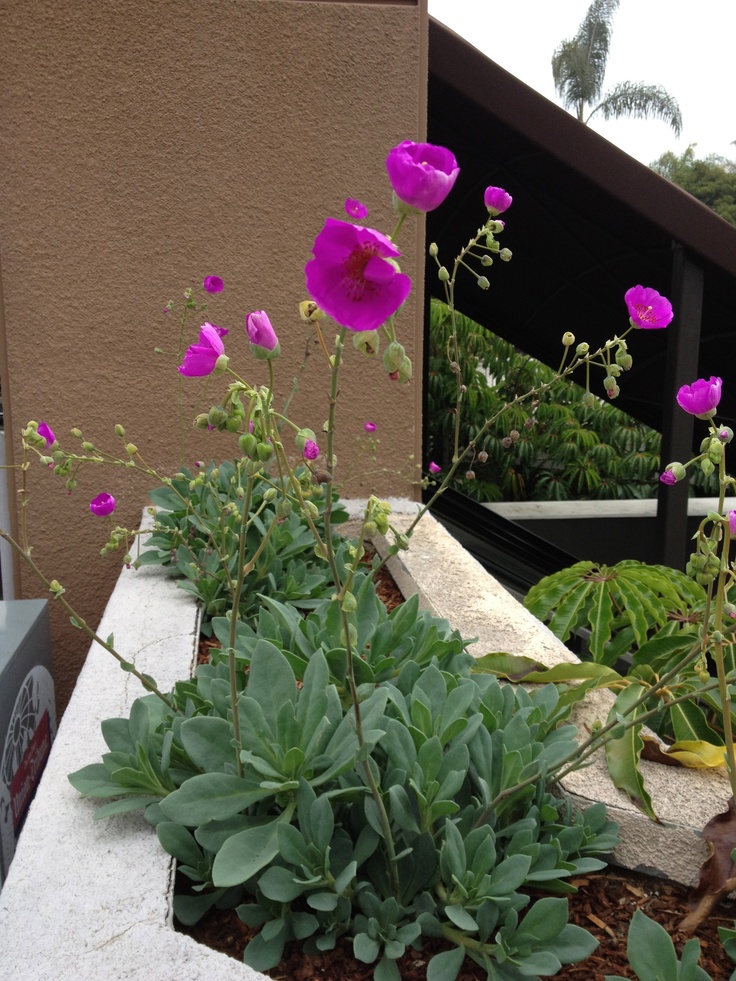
[[27, 713]]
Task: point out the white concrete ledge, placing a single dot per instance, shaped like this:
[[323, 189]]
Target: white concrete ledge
[[697, 507], [91, 901]]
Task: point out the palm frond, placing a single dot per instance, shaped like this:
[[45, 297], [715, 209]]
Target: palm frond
[[579, 63], [642, 102]]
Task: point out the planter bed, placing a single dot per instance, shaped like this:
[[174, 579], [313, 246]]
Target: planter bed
[[92, 900]]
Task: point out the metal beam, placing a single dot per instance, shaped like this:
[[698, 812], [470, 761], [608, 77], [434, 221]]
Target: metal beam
[[677, 426]]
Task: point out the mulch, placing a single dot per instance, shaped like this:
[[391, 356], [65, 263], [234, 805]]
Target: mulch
[[603, 904]]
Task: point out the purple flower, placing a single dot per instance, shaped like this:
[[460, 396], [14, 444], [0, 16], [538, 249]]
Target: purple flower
[[47, 433], [370, 427], [434, 467], [350, 279], [355, 208], [421, 174], [311, 450], [701, 398], [212, 284], [647, 308], [667, 477], [261, 333], [200, 359], [497, 200], [732, 523], [102, 505]]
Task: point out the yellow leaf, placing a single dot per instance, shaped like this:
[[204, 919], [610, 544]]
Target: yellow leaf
[[697, 754]]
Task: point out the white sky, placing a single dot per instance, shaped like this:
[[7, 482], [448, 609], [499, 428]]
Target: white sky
[[689, 48]]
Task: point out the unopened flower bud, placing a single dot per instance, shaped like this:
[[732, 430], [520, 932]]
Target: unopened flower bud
[[71, 484], [310, 312], [505, 255], [247, 444], [119, 431], [568, 339], [582, 349], [507, 442], [77, 433], [443, 275], [530, 423], [482, 456], [589, 400], [216, 416], [393, 356], [56, 588], [483, 282], [433, 250], [401, 541], [615, 370], [405, 371], [131, 449], [202, 421], [624, 360], [707, 467], [367, 341], [221, 365], [470, 475], [725, 434], [514, 435], [310, 510], [88, 447], [283, 508], [486, 260], [264, 451], [715, 451], [612, 389]]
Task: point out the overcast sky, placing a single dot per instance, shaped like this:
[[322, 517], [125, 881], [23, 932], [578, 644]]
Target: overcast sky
[[687, 48]]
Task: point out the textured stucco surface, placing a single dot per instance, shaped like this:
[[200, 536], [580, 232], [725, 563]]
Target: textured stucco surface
[[144, 146]]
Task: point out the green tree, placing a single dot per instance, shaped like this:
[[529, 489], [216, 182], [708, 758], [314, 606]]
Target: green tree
[[712, 180], [579, 68]]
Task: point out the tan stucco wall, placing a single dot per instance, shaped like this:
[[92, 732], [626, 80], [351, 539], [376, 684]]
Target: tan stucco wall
[[144, 145]]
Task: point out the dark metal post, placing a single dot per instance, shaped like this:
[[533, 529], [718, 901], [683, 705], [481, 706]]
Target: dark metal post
[[683, 343]]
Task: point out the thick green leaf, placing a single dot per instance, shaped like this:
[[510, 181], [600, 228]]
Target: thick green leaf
[[446, 966], [208, 740], [623, 754], [245, 854], [600, 618], [211, 797]]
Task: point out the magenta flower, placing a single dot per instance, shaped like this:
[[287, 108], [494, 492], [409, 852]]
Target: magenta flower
[[212, 284], [45, 431], [647, 308], [667, 477], [370, 427], [434, 467], [355, 208], [102, 505], [261, 333], [701, 398], [421, 174], [350, 279], [311, 450], [497, 200], [732, 523], [200, 359]]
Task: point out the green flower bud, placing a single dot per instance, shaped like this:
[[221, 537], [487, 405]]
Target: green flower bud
[[505, 255], [119, 431], [568, 339], [707, 467], [77, 433], [88, 447], [443, 275], [678, 470], [582, 349], [367, 341], [483, 282], [349, 603], [624, 360], [615, 370], [405, 371], [401, 541], [715, 451], [310, 510], [264, 451], [269, 494], [131, 449], [202, 421], [433, 250], [486, 260], [725, 434], [393, 356], [283, 508], [589, 400], [216, 416], [247, 444], [304, 436]]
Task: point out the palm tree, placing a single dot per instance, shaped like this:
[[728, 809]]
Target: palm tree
[[579, 67]]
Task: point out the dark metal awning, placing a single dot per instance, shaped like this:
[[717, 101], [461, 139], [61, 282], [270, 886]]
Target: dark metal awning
[[588, 221]]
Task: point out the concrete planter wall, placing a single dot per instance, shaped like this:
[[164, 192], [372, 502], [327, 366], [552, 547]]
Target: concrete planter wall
[[92, 900]]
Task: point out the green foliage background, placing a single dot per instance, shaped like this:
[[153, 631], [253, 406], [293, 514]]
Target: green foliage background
[[711, 180], [563, 451]]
